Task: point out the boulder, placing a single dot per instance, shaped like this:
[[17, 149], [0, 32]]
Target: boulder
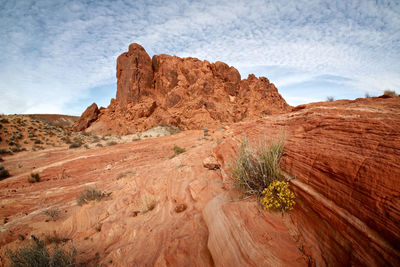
[[87, 118]]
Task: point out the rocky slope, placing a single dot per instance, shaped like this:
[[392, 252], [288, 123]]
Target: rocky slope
[[184, 92], [35, 132], [344, 154]]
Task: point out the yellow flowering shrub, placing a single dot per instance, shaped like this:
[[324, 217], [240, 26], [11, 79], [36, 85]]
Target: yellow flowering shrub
[[278, 196]]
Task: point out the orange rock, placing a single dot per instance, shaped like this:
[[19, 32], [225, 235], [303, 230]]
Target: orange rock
[[184, 92], [346, 159], [344, 155], [134, 74], [88, 117], [211, 163]]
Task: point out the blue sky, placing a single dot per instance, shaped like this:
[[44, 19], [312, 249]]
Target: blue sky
[[59, 56]]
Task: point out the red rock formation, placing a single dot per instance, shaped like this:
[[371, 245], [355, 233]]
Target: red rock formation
[[184, 92], [346, 159], [134, 75], [88, 116], [345, 155]]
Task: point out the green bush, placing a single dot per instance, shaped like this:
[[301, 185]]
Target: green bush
[[34, 178], [3, 173], [330, 99], [75, 145], [36, 255], [178, 150], [88, 195], [4, 151]]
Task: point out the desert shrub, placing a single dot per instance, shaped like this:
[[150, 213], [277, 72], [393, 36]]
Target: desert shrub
[[278, 196], [34, 178], [390, 92], [12, 143], [3, 173], [36, 254], [111, 143], [255, 168], [89, 194], [4, 151], [178, 150], [330, 99], [55, 238], [15, 149], [75, 145], [53, 213], [98, 227], [99, 145]]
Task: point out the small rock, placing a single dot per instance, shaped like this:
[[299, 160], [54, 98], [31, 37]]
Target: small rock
[[211, 163], [180, 207]]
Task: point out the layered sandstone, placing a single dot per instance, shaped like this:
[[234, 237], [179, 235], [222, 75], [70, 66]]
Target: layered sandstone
[[184, 92], [344, 155]]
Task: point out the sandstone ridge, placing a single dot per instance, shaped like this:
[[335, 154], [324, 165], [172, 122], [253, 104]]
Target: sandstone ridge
[[183, 92], [345, 156]]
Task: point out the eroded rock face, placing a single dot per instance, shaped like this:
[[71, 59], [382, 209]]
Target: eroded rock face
[[184, 92], [88, 117], [134, 74], [345, 155], [346, 159]]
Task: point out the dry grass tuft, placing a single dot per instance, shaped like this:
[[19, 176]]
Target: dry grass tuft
[[37, 254], [255, 168], [53, 213], [177, 150], [89, 194]]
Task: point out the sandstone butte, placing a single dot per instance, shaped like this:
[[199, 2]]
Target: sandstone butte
[[183, 92], [344, 155]]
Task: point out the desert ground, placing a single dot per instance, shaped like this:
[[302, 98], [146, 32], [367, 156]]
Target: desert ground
[[158, 209]]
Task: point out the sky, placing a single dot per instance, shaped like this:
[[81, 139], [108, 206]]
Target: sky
[[60, 56]]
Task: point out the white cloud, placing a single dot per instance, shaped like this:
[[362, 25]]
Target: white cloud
[[53, 52]]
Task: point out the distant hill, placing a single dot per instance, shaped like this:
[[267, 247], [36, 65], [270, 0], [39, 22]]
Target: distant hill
[[56, 119]]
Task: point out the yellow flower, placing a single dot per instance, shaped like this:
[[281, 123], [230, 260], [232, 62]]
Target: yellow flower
[[278, 196]]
